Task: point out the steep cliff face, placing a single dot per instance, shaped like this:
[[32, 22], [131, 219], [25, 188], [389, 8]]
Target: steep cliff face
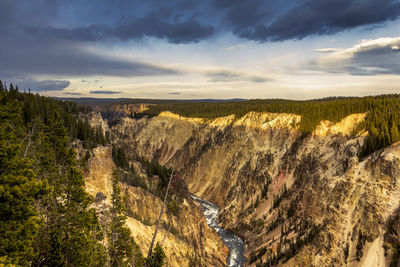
[[295, 200], [185, 235], [96, 120], [121, 109]]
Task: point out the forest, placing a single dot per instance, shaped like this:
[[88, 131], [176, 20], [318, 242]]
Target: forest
[[46, 217], [382, 123]]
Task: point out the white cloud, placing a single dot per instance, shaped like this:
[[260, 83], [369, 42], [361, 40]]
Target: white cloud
[[369, 57], [326, 50]]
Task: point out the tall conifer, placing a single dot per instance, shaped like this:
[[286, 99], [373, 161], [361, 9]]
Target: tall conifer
[[121, 244], [19, 190]]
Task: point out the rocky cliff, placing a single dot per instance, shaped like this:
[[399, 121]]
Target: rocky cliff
[[120, 110], [185, 235], [296, 200]]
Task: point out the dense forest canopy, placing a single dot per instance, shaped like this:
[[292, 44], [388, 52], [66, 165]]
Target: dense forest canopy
[[382, 123], [46, 216]]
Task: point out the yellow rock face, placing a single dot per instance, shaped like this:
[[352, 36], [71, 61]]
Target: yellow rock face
[[191, 237], [344, 127], [99, 175], [268, 120], [243, 166]]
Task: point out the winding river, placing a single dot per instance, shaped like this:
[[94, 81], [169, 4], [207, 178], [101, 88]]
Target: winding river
[[234, 243]]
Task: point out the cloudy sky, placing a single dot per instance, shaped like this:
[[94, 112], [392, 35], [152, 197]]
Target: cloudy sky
[[192, 49]]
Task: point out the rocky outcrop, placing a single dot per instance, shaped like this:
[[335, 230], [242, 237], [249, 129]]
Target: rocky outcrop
[[187, 235], [300, 201], [99, 174], [96, 120], [121, 110]]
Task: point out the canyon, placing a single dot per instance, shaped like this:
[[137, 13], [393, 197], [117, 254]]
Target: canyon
[[294, 199]]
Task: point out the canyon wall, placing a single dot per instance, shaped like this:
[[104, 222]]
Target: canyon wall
[[296, 200], [185, 235]]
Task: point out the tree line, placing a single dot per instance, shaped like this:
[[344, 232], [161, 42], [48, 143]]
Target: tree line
[[382, 122]]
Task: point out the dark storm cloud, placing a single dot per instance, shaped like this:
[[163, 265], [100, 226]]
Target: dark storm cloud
[[179, 21], [101, 92], [29, 54], [289, 19], [50, 85], [32, 45], [374, 57], [241, 17], [38, 85], [174, 22], [320, 17], [151, 26]]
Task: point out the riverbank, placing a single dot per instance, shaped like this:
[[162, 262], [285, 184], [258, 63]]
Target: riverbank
[[234, 243]]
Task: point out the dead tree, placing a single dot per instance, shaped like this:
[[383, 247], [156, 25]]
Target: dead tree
[[29, 141], [169, 228], [159, 217]]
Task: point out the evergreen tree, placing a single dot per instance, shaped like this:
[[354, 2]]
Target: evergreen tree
[[19, 190], [120, 241], [71, 233], [394, 134], [157, 257], [119, 157], [45, 214]]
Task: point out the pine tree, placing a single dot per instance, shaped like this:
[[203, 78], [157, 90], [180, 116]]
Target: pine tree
[[394, 134], [157, 257], [19, 191], [71, 232], [121, 244], [44, 225]]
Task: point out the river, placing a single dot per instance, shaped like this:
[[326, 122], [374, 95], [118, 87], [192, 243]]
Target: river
[[234, 243]]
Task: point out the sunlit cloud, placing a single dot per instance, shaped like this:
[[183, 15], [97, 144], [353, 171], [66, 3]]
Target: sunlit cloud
[[369, 57], [326, 50]]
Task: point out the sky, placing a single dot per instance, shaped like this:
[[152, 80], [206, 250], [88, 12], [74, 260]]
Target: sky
[[197, 49]]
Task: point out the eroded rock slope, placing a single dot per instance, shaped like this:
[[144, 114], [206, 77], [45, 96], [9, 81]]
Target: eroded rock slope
[[185, 236], [296, 201]]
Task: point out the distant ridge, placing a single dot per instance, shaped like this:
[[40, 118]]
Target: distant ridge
[[106, 101]]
